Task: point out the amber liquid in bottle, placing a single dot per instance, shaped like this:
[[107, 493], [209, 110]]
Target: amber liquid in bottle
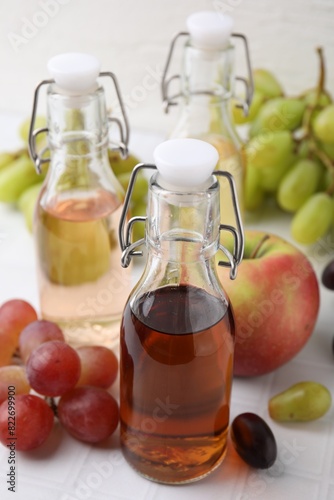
[[177, 362], [82, 286]]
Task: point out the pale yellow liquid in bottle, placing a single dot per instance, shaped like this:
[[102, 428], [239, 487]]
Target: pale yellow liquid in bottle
[[82, 284]]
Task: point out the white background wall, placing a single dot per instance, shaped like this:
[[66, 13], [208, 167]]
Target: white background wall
[[131, 38]]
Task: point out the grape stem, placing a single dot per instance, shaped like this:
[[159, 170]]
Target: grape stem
[[322, 73], [53, 405], [306, 131], [256, 250], [325, 159], [319, 90]]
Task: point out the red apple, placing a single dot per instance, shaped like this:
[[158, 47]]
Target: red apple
[[275, 299]]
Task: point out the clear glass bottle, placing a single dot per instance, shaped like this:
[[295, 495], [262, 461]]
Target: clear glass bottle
[[177, 332], [82, 286], [206, 87]]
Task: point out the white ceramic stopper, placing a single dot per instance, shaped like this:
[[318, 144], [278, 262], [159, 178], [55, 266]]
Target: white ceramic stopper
[[210, 30], [185, 163], [74, 72]]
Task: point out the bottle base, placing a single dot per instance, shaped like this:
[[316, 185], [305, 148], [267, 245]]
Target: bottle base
[[87, 332], [180, 461], [177, 482]]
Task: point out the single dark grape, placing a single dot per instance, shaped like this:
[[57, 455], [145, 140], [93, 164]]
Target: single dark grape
[[254, 440], [327, 277]]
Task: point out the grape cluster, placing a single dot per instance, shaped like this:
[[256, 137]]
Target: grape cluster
[[74, 382], [21, 185], [290, 153]]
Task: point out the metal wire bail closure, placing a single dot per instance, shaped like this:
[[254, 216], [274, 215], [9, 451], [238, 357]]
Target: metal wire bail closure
[[238, 233], [124, 129], [248, 82], [125, 231]]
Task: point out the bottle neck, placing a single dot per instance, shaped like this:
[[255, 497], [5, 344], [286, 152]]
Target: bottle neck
[[207, 81], [207, 75], [183, 227], [77, 125], [78, 143], [182, 237]]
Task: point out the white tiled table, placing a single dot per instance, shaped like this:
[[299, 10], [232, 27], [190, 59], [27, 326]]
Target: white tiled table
[[65, 469]]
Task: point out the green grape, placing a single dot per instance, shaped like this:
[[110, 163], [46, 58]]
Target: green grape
[[311, 97], [120, 166], [327, 179], [270, 149], [253, 194], [6, 159], [298, 185], [272, 154], [313, 219], [123, 179], [27, 203], [16, 178], [304, 149], [266, 83], [328, 149], [278, 114], [238, 115], [40, 122], [323, 125], [139, 192], [138, 209], [300, 403]]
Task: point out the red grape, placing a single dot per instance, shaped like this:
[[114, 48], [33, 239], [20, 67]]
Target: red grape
[[53, 368], [8, 347], [13, 376], [35, 334], [99, 366], [89, 414], [33, 422], [15, 314]]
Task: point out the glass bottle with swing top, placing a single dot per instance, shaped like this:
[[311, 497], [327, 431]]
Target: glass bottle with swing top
[[82, 287], [207, 82], [177, 331]]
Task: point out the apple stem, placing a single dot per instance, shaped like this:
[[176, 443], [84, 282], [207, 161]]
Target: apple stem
[[256, 250]]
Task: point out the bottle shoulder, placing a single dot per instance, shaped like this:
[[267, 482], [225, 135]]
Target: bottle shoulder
[[79, 206]]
